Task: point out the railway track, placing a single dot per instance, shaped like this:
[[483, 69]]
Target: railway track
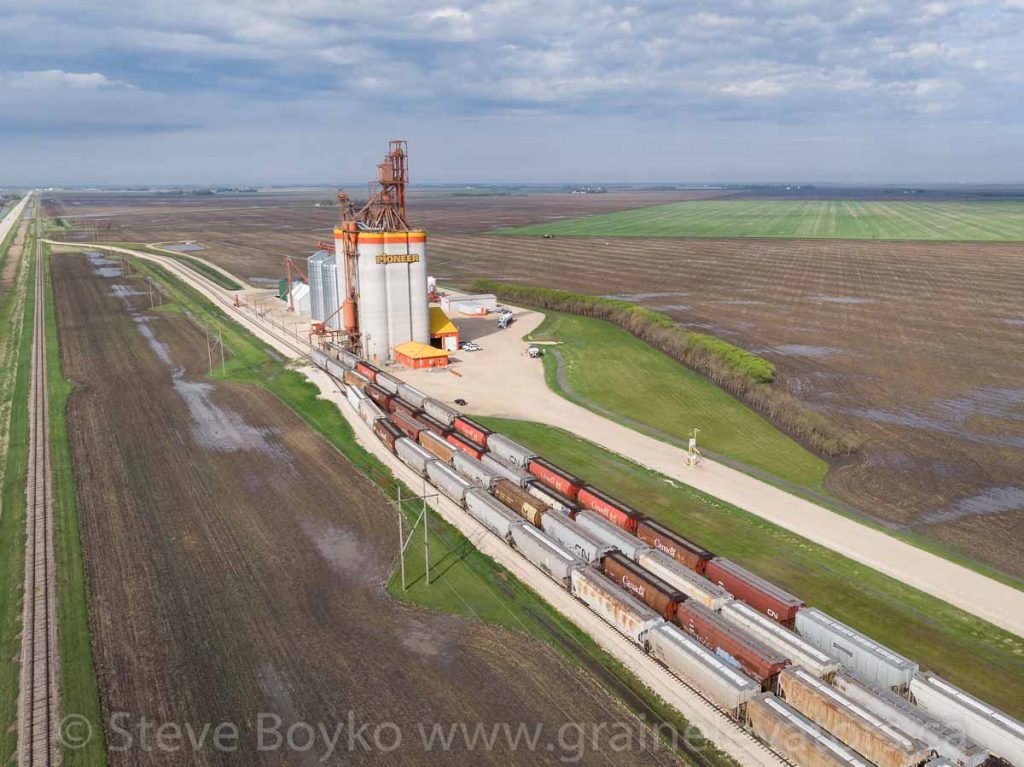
[[39, 702]]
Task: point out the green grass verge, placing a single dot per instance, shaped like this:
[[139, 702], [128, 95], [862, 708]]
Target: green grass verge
[[463, 581], [197, 265], [798, 219], [960, 647], [79, 689], [613, 373], [16, 371]]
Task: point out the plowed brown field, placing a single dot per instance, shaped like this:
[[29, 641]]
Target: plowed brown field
[[916, 346], [236, 565]]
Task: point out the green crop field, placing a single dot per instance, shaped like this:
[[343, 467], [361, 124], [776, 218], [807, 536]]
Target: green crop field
[[932, 632], [610, 371], [853, 220]]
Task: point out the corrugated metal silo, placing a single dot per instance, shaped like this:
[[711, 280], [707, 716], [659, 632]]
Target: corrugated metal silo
[[373, 303], [419, 304], [329, 272]]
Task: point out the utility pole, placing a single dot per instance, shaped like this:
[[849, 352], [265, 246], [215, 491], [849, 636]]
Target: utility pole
[[209, 351], [150, 282], [220, 336], [405, 541]]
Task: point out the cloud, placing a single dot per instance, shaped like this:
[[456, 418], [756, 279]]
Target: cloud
[[56, 79], [755, 89]]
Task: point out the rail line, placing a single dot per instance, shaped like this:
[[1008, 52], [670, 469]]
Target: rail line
[[39, 702]]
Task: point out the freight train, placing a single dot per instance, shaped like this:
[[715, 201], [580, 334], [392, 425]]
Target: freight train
[[724, 631]]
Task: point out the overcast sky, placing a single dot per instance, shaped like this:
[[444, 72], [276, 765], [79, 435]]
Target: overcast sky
[[256, 91]]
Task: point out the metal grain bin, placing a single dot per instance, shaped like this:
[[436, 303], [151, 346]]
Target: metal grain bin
[[642, 584], [627, 615], [440, 411], [413, 456], [491, 514], [949, 742], [855, 652], [611, 534], [507, 471], [700, 668], [545, 553], [759, 593], [860, 729], [733, 644], [448, 482], [796, 737], [552, 498], [667, 540], [780, 638], [472, 470], [440, 448], [388, 383], [412, 395], [369, 411], [998, 732], [521, 502], [517, 455], [560, 527], [694, 585]]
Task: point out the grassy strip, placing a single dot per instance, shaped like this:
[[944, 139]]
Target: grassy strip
[[197, 265], [463, 580], [959, 646], [736, 370], [13, 507], [79, 689]]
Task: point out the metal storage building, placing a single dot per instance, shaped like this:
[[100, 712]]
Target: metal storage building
[[700, 668], [855, 652], [780, 638], [855, 725], [998, 732], [947, 741], [796, 737], [451, 304]]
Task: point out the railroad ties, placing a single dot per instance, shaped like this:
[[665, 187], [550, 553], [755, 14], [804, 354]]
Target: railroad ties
[[39, 699]]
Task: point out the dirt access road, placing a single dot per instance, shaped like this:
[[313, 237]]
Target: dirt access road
[[236, 565]]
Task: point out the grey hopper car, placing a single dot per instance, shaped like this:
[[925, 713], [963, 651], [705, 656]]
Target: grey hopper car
[[369, 411], [319, 359], [413, 456], [611, 534], [473, 470], [947, 741], [615, 606], [492, 514], [1000, 733], [510, 451], [336, 370], [677, 575], [448, 482], [354, 396], [413, 396], [440, 411], [388, 383], [560, 528], [700, 668], [347, 359], [506, 471], [780, 638], [854, 651], [545, 553]]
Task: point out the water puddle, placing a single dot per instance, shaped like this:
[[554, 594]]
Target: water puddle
[[219, 429], [124, 291], [425, 642], [841, 300], [1015, 322], [739, 302], [104, 267], [344, 552], [1004, 404], [802, 350], [634, 297], [159, 347], [673, 307], [995, 500], [183, 247], [915, 420]]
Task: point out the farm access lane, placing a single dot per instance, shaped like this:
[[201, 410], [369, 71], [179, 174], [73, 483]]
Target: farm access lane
[[13, 216], [712, 723], [502, 381]]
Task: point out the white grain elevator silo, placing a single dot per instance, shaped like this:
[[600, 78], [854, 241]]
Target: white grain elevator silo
[[382, 265]]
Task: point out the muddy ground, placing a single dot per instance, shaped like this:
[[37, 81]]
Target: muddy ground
[[236, 566], [915, 346]]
